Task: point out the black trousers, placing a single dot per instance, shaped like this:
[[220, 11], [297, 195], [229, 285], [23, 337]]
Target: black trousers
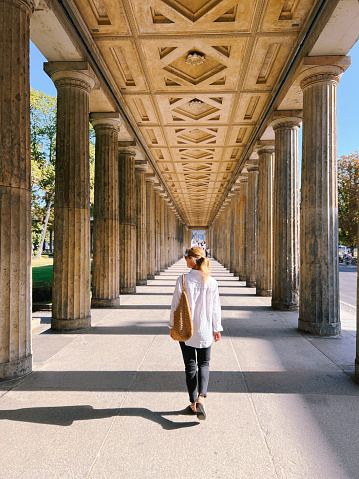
[[197, 384]]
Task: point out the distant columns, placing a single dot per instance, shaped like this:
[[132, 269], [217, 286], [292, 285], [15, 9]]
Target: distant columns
[[15, 190], [285, 294], [71, 276], [106, 264], [150, 226], [242, 244], [319, 268], [251, 229], [265, 152], [162, 231], [141, 167], [127, 209]]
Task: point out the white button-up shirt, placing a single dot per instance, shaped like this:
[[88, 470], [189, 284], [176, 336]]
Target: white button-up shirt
[[205, 307]]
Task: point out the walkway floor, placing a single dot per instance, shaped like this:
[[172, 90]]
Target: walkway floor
[[111, 402]]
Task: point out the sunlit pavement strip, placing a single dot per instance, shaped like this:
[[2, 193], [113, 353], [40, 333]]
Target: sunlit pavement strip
[[111, 402]]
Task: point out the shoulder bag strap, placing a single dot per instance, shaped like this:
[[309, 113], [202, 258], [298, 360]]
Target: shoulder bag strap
[[183, 283]]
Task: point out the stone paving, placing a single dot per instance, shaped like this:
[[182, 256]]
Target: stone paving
[[111, 402]]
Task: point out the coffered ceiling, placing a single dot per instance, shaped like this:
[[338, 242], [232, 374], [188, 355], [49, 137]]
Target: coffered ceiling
[[196, 76]]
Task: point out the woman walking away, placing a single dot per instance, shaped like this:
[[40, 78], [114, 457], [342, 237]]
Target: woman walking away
[[203, 298]]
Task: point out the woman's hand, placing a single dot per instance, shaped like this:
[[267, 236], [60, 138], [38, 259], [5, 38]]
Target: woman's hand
[[217, 337], [171, 333]]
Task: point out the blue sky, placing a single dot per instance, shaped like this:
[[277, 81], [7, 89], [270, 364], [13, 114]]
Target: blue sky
[[347, 99]]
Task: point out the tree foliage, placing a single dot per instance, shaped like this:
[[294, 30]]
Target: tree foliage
[[43, 117], [348, 197], [43, 157]]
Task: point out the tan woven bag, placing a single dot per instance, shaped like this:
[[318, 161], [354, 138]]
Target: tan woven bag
[[182, 324]]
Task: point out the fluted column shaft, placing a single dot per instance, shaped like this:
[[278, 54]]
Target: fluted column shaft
[[236, 232], [106, 263], [264, 221], [71, 274], [127, 210], [158, 227], [15, 190], [319, 268], [285, 294], [162, 232], [251, 230], [150, 227], [242, 241], [141, 234], [232, 207]]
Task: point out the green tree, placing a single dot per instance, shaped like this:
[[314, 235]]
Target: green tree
[[43, 156], [348, 197]]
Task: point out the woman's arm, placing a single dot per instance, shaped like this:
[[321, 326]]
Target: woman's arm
[[217, 314]]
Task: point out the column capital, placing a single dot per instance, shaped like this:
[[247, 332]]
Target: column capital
[[150, 178], [327, 69], [252, 165], [158, 187], [141, 165], [287, 119], [127, 148], [265, 146], [243, 179], [71, 74], [106, 121]]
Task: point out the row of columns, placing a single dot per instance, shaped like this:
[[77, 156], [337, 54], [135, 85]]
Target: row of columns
[[126, 207], [297, 270]]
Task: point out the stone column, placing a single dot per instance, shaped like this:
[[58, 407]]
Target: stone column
[[232, 206], [236, 190], [357, 334], [71, 277], [319, 268], [150, 226], [285, 294], [141, 167], [158, 188], [243, 207], [127, 209], [106, 263], [15, 190], [162, 231], [265, 152], [251, 230]]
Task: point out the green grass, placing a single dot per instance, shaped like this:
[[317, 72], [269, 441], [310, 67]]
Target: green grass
[[42, 270]]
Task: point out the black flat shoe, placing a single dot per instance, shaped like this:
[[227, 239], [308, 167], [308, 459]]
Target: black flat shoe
[[201, 412]]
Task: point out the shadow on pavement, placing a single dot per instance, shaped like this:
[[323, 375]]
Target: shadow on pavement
[[67, 415]]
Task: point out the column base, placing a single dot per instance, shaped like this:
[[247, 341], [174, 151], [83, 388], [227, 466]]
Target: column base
[[236, 273], [320, 329], [64, 325], [162, 270], [157, 273], [242, 277], [130, 290], [283, 306], [250, 284], [150, 276], [263, 292], [105, 303], [141, 282], [14, 369]]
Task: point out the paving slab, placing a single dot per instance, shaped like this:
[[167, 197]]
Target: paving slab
[[111, 401]]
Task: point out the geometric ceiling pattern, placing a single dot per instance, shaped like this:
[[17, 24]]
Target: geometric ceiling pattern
[[196, 76]]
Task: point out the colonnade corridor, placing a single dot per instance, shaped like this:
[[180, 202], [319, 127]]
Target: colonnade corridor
[[110, 402]]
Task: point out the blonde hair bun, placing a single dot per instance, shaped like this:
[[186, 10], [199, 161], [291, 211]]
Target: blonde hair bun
[[198, 254]]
